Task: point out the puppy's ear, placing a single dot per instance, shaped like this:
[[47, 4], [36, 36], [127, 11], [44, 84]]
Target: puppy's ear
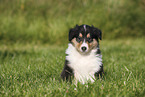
[[72, 32], [97, 33]]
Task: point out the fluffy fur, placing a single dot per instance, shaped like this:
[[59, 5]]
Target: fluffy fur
[[83, 64]]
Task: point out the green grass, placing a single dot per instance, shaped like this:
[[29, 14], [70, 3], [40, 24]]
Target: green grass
[[34, 70], [48, 21], [32, 50]]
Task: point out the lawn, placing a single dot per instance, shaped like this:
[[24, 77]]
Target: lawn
[[34, 70], [34, 36], [48, 21]]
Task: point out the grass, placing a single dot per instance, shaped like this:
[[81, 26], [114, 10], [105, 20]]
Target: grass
[[48, 21], [32, 50], [34, 70]]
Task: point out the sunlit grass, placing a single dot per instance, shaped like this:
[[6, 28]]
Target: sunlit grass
[[34, 70]]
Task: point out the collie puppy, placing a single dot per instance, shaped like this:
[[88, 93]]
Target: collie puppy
[[83, 56]]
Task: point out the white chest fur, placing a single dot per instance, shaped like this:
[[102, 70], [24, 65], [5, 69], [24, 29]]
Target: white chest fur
[[84, 66]]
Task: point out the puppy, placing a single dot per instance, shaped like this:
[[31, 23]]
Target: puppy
[[83, 55]]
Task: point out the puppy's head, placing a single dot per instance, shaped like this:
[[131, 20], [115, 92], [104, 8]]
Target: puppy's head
[[85, 38]]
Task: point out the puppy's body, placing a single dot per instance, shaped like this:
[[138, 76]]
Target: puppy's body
[[83, 60]]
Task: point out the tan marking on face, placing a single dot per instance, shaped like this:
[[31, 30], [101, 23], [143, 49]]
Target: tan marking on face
[[76, 44], [88, 35], [79, 45], [92, 45], [89, 45], [74, 41], [80, 35]]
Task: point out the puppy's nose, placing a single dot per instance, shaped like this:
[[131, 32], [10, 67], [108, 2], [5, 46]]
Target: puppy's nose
[[84, 48]]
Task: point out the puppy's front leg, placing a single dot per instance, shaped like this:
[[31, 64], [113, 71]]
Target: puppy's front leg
[[67, 72]]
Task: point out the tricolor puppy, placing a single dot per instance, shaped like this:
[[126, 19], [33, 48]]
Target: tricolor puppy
[[83, 55]]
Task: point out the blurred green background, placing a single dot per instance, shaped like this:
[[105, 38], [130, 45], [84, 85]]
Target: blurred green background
[[48, 21]]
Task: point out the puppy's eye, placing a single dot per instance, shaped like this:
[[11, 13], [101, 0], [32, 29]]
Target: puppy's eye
[[89, 40], [79, 39]]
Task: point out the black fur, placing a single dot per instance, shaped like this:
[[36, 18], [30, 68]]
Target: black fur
[[67, 72], [97, 33], [100, 72], [74, 32]]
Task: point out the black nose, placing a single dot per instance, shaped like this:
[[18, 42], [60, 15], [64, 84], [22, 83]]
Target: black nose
[[84, 48]]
